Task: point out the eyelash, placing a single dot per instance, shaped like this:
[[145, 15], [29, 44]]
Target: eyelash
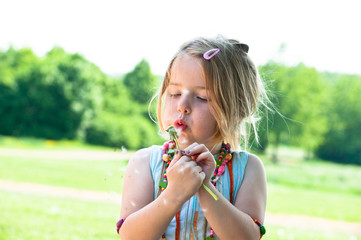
[[198, 97], [202, 99]]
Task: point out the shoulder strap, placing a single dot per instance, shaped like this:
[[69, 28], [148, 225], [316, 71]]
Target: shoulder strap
[[230, 170]]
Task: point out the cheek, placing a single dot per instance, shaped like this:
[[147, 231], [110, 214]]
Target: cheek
[[166, 114], [210, 119]]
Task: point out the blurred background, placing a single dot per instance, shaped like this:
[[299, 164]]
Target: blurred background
[[76, 79]]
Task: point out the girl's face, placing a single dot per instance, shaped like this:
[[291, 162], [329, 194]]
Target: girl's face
[[187, 104]]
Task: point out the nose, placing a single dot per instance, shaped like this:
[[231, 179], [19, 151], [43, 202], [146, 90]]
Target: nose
[[184, 104]]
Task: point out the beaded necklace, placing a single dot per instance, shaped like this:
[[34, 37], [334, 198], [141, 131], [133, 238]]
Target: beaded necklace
[[225, 156], [168, 153]]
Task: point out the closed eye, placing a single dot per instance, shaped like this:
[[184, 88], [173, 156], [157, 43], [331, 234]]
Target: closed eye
[[202, 99]]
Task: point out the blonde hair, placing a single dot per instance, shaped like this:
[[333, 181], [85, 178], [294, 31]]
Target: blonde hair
[[233, 83]]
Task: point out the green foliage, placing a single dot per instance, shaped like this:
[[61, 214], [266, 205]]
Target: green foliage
[[123, 122], [64, 96], [342, 142], [140, 82], [81, 83], [298, 94], [116, 98], [14, 63], [126, 131], [37, 109], [48, 98], [319, 111]]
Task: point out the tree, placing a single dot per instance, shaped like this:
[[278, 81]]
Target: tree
[[140, 82], [122, 122], [65, 96], [342, 142], [297, 93], [50, 98], [14, 63], [37, 109]]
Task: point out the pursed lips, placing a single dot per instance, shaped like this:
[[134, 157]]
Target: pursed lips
[[180, 124]]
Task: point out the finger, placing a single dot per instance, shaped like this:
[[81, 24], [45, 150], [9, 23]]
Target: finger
[[176, 158], [204, 156], [188, 160], [198, 149], [188, 149], [182, 160], [198, 169]]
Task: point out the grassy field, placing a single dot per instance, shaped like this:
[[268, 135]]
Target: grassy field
[[315, 188], [34, 143], [102, 175], [310, 188], [48, 218]]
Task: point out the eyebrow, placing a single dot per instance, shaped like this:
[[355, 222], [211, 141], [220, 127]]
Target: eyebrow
[[177, 84]]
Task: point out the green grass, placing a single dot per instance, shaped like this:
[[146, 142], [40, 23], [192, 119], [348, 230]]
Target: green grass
[[310, 202], [295, 186], [36, 143], [48, 218], [313, 187], [102, 175], [299, 233], [43, 218], [291, 189], [316, 175]]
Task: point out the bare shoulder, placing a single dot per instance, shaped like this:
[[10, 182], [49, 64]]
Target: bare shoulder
[[252, 195], [141, 156], [254, 165], [255, 174], [137, 176], [139, 166]]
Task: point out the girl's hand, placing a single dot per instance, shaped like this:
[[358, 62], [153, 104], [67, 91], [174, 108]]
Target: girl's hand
[[203, 157], [185, 177]]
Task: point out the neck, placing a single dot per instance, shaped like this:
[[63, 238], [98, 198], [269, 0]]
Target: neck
[[215, 148]]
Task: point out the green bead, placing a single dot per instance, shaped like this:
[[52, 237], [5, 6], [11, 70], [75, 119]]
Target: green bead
[[162, 184], [263, 230], [171, 151], [209, 238]]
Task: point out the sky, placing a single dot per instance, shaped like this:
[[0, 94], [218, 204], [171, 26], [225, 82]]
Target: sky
[[116, 35]]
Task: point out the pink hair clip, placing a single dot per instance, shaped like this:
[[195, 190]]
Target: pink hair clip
[[212, 51]]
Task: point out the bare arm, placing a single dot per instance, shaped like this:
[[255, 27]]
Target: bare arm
[[235, 222]]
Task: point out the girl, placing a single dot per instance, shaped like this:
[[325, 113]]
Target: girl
[[209, 94]]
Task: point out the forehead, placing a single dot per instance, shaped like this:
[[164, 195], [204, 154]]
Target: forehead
[[187, 70]]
